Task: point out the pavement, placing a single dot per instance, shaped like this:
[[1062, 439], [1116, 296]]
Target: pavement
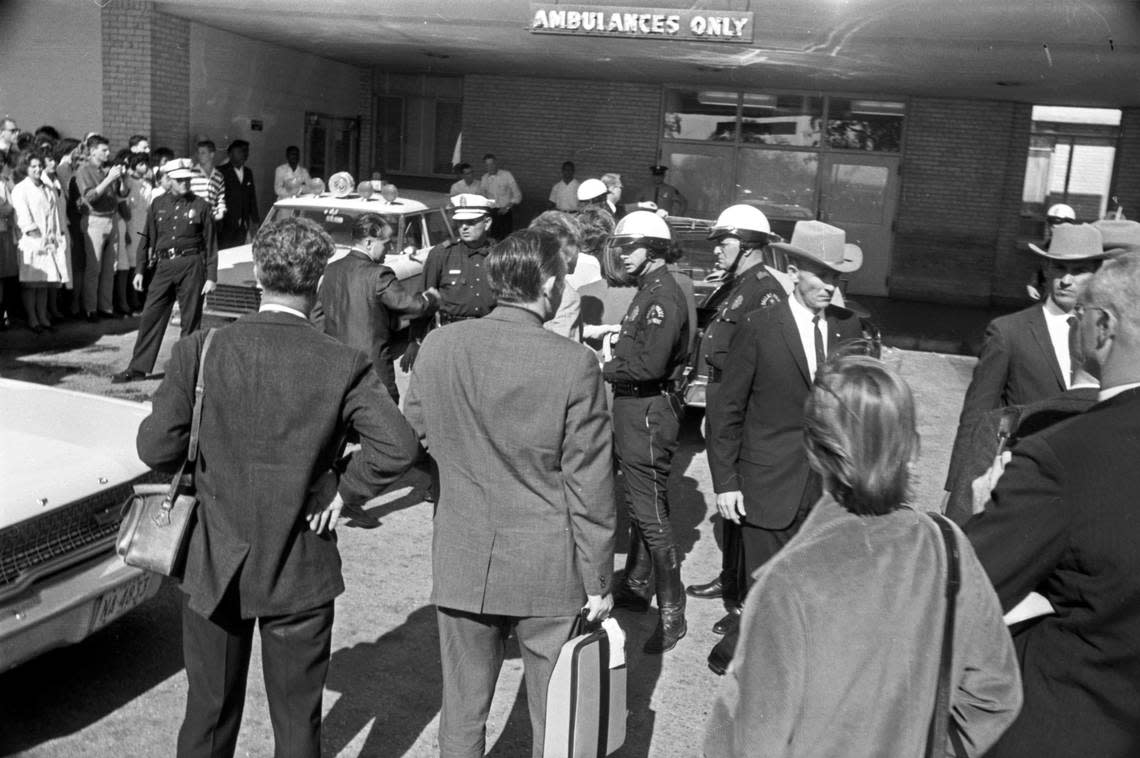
[[122, 691]]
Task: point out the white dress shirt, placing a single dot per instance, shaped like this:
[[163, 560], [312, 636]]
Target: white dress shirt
[[807, 328], [278, 308], [284, 174], [565, 196], [1057, 322], [502, 188], [586, 271]]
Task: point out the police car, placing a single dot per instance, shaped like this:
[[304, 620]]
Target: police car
[[418, 217], [68, 463]]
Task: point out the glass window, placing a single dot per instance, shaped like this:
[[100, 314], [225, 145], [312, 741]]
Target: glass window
[[703, 178], [781, 120], [1072, 152], [389, 133], [874, 125], [856, 194], [781, 183], [439, 229], [701, 115]]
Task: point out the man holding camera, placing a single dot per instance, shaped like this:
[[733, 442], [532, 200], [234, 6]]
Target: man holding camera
[[100, 190]]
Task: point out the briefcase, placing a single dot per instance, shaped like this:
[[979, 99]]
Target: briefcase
[[585, 701]]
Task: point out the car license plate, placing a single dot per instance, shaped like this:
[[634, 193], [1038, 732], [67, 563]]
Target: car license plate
[[110, 605]]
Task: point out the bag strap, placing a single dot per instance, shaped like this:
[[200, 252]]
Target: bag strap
[[940, 720], [199, 390]]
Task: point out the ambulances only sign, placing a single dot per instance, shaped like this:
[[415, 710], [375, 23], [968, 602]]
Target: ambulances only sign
[[642, 23]]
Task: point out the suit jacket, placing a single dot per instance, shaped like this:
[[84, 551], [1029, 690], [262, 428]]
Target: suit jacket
[[983, 445], [1017, 366], [756, 418], [1063, 521], [271, 425], [515, 416], [240, 196], [356, 298]]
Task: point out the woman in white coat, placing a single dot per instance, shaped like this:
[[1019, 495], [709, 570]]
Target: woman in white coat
[[42, 240]]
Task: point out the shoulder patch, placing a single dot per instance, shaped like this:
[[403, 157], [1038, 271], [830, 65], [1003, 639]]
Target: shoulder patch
[[769, 299], [655, 315]]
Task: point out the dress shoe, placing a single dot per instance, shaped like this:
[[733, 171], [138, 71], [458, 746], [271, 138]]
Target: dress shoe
[[710, 591], [729, 622], [110, 314], [127, 376], [91, 317]]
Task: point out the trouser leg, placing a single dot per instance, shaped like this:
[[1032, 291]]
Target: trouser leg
[[471, 648], [95, 232], [387, 373], [295, 661], [155, 316], [645, 437], [635, 589], [216, 652], [732, 577], [106, 268], [540, 641], [192, 275]]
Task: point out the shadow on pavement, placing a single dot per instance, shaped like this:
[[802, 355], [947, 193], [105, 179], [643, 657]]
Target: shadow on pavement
[[65, 690]]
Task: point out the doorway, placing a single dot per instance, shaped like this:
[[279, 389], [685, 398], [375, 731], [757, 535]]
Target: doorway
[[858, 193], [332, 144]]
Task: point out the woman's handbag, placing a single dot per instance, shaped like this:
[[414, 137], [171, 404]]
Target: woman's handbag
[[941, 723], [157, 519]]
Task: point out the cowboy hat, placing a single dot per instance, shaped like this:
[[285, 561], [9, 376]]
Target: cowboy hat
[[824, 244]]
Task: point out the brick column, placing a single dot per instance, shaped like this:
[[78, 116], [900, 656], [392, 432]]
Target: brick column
[[146, 75]]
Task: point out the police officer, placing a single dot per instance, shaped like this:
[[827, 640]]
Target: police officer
[[742, 234], [179, 243], [650, 353], [458, 270], [665, 196]]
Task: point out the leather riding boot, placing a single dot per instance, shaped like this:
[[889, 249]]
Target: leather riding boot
[[671, 626], [633, 592]]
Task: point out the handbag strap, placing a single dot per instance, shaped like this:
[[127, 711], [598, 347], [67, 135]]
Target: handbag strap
[[199, 390], [940, 720]]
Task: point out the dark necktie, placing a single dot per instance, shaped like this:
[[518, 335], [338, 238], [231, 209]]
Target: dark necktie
[[820, 356], [1074, 352]]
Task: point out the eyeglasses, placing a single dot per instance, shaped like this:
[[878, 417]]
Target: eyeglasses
[[1059, 220]]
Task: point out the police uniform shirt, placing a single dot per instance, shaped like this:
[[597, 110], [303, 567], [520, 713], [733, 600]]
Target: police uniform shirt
[[654, 338], [183, 223], [748, 290], [460, 273], [667, 197]]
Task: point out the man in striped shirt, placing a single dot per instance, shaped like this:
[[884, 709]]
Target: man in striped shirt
[[207, 180]]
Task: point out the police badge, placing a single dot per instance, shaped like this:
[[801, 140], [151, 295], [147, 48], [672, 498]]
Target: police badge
[[655, 315]]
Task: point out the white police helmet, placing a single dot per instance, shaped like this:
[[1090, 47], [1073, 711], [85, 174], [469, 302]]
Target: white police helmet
[[744, 222]]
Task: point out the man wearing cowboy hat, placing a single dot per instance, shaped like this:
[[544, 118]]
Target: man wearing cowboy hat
[[1025, 356], [179, 242], [759, 468], [457, 269]]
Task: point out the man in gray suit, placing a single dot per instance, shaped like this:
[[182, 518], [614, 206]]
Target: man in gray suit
[[516, 418]]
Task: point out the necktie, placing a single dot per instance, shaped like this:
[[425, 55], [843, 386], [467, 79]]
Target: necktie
[[820, 356], [1074, 352]]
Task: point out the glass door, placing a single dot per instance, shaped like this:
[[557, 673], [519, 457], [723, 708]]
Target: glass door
[[332, 144], [858, 193]]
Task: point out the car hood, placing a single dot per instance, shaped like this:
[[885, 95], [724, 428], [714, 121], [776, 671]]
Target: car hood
[[235, 264], [58, 446]]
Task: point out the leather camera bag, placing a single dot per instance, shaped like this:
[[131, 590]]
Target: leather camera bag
[[158, 518]]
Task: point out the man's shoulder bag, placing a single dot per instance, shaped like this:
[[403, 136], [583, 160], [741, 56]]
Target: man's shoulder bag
[[157, 518]]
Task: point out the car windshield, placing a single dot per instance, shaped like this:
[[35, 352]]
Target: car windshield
[[336, 221]]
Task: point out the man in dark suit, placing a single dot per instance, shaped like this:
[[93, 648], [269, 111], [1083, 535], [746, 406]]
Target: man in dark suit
[[759, 468], [1062, 522], [516, 418], [242, 216], [262, 550], [359, 295], [1025, 356]]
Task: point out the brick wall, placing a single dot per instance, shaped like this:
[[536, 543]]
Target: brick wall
[[533, 125], [146, 75], [956, 227], [1127, 186]]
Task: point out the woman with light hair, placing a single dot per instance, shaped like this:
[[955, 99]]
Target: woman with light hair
[[840, 639]]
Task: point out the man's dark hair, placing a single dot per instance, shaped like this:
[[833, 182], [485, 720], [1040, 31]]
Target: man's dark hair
[[136, 158], [121, 156], [25, 140], [48, 131], [461, 167], [161, 155], [517, 266], [490, 156], [568, 163], [290, 255], [64, 147], [293, 149], [96, 139], [136, 139], [208, 144], [371, 225]]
